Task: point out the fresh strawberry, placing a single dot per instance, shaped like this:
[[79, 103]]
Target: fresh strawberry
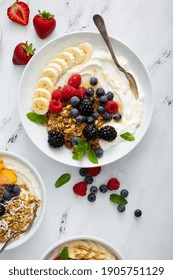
[[113, 184], [94, 171], [111, 107], [22, 53], [68, 91], [44, 24], [75, 80], [55, 106], [81, 91], [57, 94], [80, 188], [19, 13]]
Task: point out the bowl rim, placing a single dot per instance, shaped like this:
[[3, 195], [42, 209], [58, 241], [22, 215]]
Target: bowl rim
[[101, 241], [33, 230]]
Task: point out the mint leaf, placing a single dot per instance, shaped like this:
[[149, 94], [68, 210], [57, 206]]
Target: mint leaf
[[83, 144], [64, 254], [127, 136], [118, 199], [78, 155], [92, 156], [63, 179], [34, 117]]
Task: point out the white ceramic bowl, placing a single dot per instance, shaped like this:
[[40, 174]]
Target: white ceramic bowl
[[32, 173], [51, 251], [38, 133]]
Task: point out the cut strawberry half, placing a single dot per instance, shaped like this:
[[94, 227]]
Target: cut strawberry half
[[19, 13]]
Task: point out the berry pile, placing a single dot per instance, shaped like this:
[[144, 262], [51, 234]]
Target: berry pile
[[9, 191]]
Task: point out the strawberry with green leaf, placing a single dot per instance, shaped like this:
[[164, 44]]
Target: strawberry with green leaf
[[22, 53], [44, 24]]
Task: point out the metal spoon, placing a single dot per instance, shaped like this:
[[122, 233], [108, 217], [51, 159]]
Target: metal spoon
[[19, 232], [100, 24]]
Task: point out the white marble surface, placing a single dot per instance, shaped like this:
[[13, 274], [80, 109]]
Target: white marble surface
[[146, 172]]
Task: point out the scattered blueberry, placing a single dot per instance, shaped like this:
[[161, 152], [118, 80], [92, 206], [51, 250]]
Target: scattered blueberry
[[121, 208], [16, 189], [124, 193], [117, 117], [107, 117], [7, 195], [2, 209], [103, 99], [80, 119], [83, 172], [90, 120], [75, 140], [95, 115], [103, 188], [1, 200], [74, 101], [93, 81], [89, 179], [91, 197], [110, 95], [9, 188], [98, 152], [94, 189], [90, 92], [138, 213], [100, 92], [100, 109], [74, 112]]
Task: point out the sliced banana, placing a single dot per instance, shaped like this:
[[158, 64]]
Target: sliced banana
[[87, 48], [45, 83], [40, 105], [51, 73], [60, 62], [78, 54], [42, 92], [68, 57]]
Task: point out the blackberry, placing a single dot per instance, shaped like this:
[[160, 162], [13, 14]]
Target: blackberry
[[90, 132], [2, 210], [55, 138], [85, 106], [108, 133]]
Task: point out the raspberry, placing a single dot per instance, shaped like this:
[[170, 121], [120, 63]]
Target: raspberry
[[81, 91], [57, 94], [75, 80], [113, 184], [111, 107], [57, 258], [94, 171], [80, 188], [68, 91], [55, 106]]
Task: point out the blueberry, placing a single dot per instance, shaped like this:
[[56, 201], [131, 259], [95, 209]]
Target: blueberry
[[124, 193], [75, 140], [98, 152], [107, 117], [138, 213], [100, 109], [16, 189], [110, 95], [100, 92], [9, 188], [117, 117], [121, 208], [7, 195], [1, 200], [83, 172], [90, 92], [90, 120], [91, 197], [74, 101], [94, 189], [74, 112], [103, 188], [103, 99], [93, 81], [95, 115], [2, 209], [80, 119], [89, 179]]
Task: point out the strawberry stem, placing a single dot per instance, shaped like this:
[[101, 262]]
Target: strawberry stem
[[28, 49], [45, 15]]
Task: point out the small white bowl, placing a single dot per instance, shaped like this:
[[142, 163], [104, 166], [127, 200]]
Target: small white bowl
[[34, 176], [49, 254]]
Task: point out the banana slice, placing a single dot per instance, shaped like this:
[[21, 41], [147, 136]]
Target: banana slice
[[51, 73], [40, 105], [45, 83], [55, 66], [68, 57], [87, 48], [78, 54], [42, 92], [60, 62]]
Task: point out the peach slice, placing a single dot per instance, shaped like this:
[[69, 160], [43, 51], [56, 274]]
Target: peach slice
[[7, 176], [1, 163]]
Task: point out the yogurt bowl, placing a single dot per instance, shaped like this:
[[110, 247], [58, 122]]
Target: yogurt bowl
[[21, 190], [83, 247]]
